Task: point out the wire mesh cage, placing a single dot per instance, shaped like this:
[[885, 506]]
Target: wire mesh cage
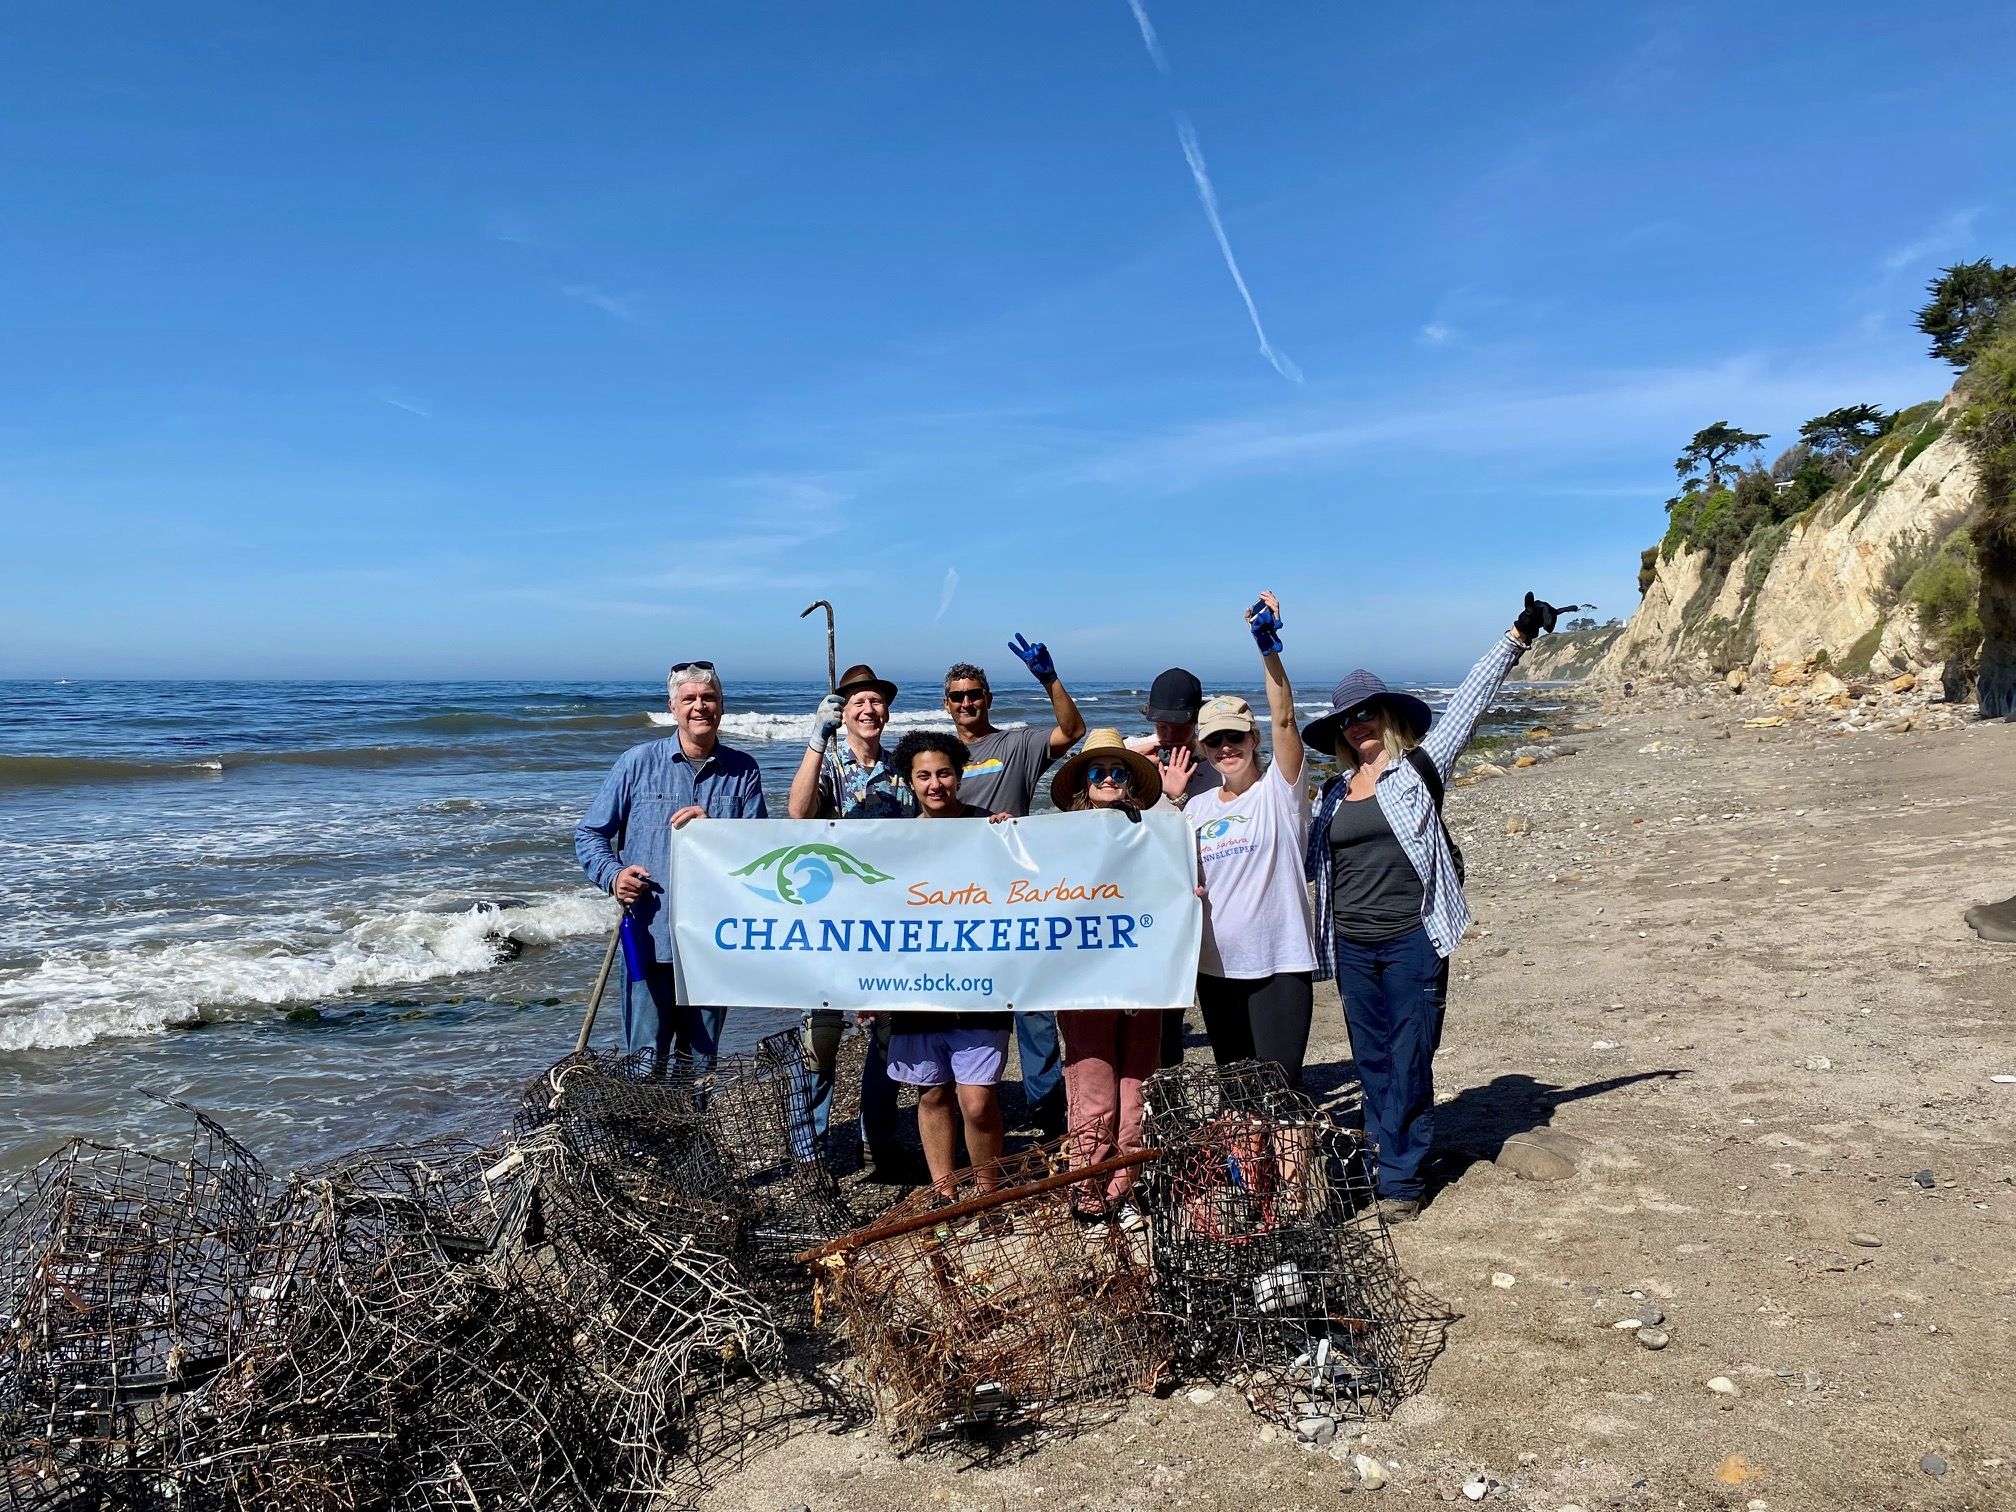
[[123, 1277], [1017, 1314], [1271, 1258]]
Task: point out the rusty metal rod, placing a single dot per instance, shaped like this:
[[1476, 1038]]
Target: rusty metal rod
[[875, 1233]]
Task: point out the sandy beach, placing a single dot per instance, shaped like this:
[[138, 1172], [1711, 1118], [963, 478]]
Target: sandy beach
[[1720, 988]]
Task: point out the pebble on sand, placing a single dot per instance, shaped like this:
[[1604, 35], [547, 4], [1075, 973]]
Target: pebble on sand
[[1504, 1280], [1371, 1474], [1723, 1386], [1199, 1395], [1653, 1338], [1651, 1315], [1476, 1490], [1932, 1464], [1867, 1241]]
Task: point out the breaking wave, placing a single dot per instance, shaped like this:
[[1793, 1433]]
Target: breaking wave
[[73, 997]]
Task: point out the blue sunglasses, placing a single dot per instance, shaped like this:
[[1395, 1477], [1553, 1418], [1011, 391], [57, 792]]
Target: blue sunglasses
[[1098, 774]]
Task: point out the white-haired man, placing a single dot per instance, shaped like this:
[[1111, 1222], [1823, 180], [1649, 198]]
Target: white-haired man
[[624, 841]]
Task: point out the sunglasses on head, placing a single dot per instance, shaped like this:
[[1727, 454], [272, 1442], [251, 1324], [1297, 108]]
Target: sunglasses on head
[[1223, 738], [965, 695], [693, 666], [1094, 775]]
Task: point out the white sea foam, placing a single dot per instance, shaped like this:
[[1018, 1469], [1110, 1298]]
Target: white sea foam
[[73, 997]]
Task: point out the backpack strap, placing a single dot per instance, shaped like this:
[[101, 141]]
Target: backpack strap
[[1424, 764], [1431, 779]]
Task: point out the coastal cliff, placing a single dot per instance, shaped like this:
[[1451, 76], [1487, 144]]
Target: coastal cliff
[[1861, 579], [1567, 656]]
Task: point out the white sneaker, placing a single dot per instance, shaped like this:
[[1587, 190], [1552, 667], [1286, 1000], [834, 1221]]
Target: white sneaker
[[1129, 1218]]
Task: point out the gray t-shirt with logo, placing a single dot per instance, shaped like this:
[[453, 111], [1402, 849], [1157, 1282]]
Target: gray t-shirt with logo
[[1002, 768]]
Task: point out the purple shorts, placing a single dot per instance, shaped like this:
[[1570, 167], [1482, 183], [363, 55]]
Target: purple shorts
[[933, 1057]]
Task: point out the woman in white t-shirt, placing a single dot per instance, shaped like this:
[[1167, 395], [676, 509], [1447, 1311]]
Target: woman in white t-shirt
[[1256, 973]]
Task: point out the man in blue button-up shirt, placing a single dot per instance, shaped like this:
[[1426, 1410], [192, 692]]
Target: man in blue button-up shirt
[[624, 843]]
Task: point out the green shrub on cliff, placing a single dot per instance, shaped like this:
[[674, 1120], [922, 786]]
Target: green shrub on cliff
[[1947, 593], [1988, 426]]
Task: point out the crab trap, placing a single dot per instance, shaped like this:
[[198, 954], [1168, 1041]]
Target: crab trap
[[994, 1307], [1271, 1260]]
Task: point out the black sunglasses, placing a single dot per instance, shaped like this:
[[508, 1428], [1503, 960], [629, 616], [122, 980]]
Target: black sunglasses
[[965, 695], [1363, 714], [695, 666], [1223, 738]]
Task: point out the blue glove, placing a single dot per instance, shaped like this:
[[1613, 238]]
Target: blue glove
[[1266, 628], [1036, 658], [825, 722]]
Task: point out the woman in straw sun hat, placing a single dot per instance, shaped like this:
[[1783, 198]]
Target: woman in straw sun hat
[[1389, 890], [1257, 965], [1108, 1052]]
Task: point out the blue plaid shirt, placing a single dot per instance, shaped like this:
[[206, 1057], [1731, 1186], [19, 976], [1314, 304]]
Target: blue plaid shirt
[[647, 786], [1405, 801]]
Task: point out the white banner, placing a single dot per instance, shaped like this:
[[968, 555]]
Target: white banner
[[1061, 911]]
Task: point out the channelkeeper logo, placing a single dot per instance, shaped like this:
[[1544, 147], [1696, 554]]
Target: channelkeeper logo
[[804, 874], [1029, 917]]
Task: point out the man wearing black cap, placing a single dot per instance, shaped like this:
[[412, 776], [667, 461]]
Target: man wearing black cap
[[1173, 701]]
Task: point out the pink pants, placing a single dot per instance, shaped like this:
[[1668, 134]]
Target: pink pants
[[1107, 1053]]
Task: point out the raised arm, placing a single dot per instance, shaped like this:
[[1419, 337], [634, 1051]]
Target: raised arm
[[1287, 739], [1473, 697], [806, 799], [1070, 727]]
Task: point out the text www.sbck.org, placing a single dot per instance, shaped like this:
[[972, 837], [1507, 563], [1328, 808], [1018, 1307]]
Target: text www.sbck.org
[[972, 986]]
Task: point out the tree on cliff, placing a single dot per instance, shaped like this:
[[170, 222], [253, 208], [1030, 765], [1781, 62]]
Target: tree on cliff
[[1848, 431], [1714, 448], [1968, 299], [1988, 426]]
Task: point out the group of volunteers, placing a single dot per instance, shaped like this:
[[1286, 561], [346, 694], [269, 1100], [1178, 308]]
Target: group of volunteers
[[1387, 887]]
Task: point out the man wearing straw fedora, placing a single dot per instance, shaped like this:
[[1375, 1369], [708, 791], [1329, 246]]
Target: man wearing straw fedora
[[859, 781], [852, 778]]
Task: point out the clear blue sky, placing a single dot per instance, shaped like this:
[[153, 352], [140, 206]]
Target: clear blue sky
[[493, 339]]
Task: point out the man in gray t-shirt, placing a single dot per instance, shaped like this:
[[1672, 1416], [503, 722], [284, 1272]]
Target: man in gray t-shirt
[[1002, 768], [1003, 765]]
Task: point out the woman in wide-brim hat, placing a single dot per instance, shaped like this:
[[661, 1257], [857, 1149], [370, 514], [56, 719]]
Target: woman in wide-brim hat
[[1389, 890], [1108, 1052], [1128, 778]]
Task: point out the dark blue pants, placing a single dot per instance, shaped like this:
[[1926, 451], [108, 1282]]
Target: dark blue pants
[[1041, 1056], [1394, 996], [654, 1019]]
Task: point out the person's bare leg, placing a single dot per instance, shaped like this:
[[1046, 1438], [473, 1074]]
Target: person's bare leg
[[938, 1128], [982, 1111]]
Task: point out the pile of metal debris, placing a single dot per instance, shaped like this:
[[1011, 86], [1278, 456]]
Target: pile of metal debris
[[612, 1304]]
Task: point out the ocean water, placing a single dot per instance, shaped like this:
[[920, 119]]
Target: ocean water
[[328, 913]]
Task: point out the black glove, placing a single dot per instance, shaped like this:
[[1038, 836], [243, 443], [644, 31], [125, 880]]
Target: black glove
[[1536, 619]]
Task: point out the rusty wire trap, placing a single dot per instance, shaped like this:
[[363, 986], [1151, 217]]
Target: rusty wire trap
[[1271, 1258], [123, 1278], [994, 1307]]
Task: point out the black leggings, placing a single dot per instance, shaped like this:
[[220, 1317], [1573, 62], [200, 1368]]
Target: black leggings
[[1262, 1018]]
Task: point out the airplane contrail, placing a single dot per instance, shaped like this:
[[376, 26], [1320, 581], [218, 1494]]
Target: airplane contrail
[[1207, 196]]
